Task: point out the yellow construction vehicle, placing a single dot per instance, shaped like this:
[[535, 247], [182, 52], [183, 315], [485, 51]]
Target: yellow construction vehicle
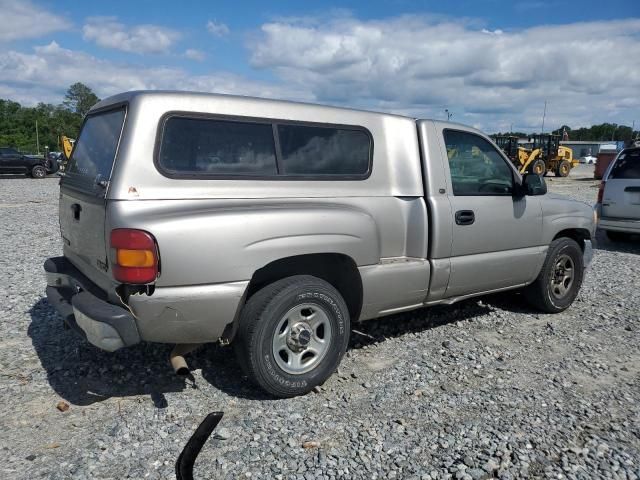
[[544, 154], [66, 145]]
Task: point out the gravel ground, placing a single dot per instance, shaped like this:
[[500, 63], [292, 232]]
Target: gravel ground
[[483, 389]]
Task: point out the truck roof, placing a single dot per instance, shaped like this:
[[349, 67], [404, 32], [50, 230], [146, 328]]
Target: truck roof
[[178, 95]]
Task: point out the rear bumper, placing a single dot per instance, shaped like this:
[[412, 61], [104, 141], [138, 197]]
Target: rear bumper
[[85, 309], [619, 225], [186, 314]]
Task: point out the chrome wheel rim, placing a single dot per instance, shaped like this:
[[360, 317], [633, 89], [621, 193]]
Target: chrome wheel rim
[[562, 276], [39, 173], [301, 339]]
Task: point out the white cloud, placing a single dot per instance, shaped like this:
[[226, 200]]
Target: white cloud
[[218, 29], [45, 74], [589, 72], [109, 33], [23, 19], [193, 54]]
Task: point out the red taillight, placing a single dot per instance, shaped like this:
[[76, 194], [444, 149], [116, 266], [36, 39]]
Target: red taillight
[[601, 191], [134, 256]]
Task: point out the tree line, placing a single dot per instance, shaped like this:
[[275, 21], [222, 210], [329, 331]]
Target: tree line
[[18, 123], [610, 132], [603, 132]]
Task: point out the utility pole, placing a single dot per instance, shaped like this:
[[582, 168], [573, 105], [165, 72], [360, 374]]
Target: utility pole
[[37, 139], [449, 114], [544, 114], [615, 127]]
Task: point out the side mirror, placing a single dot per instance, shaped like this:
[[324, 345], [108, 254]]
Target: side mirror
[[533, 184]]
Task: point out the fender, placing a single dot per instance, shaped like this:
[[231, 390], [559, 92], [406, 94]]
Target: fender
[[208, 242], [561, 213]]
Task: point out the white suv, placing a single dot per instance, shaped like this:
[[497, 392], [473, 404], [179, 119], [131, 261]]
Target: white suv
[[619, 196]]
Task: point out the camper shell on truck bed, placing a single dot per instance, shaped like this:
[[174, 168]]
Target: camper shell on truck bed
[[190, 218]]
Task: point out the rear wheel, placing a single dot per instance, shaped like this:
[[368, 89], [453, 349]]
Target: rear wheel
[[292, 335], [563, 169], [560, 279], [39, 171], [538, 167]]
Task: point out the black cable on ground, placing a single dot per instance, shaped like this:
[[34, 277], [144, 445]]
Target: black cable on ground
[[187, 458]]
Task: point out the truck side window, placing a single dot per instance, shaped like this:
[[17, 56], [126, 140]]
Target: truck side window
[[310, 150], [211, 147], [476, 166]]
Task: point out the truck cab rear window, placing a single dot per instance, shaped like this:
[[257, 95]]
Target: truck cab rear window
[[211, 147]]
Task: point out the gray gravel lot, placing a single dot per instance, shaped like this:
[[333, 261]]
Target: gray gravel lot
[[482, 389]]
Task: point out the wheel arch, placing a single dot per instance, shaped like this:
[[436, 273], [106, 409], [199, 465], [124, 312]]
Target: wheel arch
[[338, 269], [577, 234]]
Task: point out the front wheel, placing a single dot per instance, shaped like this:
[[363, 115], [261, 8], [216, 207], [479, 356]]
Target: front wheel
[[560, 279], [563, 169], [38, 171], [539, 167], [292, 335]]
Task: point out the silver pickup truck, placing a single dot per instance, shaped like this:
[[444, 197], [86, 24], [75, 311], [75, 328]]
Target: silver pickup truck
[[189, 218]]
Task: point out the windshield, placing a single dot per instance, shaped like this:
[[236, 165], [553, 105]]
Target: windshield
[[92, 159]]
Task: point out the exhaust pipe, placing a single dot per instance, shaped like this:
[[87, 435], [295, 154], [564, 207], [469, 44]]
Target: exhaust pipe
[[176, 357]]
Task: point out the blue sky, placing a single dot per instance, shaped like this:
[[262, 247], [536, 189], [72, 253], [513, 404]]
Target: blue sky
[[492, 63]]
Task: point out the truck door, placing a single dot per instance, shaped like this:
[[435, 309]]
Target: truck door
[[11, 161], [4, 161], [496, 237]]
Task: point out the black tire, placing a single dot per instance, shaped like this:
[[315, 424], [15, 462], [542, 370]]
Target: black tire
[[261, 317], [53, 166], [564, 167], [538, 167], [617, 236], [39, 171], [548, 296]]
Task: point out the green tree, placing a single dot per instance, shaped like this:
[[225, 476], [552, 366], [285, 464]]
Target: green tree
[[18, 123], [79, 99]]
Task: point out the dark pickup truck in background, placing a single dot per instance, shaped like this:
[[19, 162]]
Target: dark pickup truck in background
[[14, 162]]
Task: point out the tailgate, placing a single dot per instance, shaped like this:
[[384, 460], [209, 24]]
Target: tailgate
[[82, 220], [83, 188], [621, 198]]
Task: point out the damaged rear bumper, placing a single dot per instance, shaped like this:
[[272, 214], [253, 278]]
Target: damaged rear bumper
[[84, 307], [189, 314]]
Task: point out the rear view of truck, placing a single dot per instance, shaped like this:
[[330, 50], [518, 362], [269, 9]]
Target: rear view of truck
[[80, 283]]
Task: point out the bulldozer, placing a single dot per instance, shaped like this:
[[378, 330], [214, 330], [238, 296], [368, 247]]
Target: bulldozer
[[541, 155]]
